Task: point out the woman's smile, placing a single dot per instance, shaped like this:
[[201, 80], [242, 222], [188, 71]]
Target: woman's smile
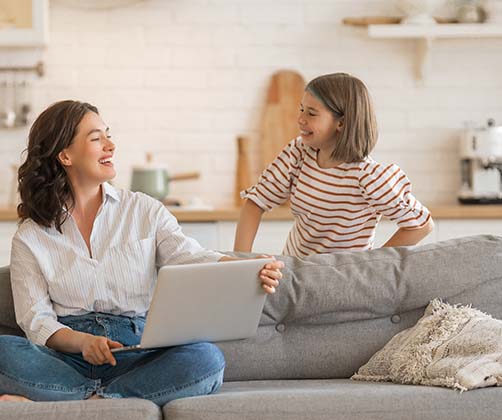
[[107, 161]]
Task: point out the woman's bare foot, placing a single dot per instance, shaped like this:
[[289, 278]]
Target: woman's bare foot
[[15, 398], [95, 397]]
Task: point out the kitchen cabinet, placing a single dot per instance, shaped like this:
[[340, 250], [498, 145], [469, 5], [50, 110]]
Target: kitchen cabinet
[[25, 24], [207, 234], [272, 234], [7, 230], [270, 238], [448, 229]]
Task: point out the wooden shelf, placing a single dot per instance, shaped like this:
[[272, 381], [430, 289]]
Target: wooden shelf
[[451, 30], [426, 34]]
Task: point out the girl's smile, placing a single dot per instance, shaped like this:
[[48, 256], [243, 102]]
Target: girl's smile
[[318, 126]]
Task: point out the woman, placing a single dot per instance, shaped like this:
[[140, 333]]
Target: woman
[[83, 267]]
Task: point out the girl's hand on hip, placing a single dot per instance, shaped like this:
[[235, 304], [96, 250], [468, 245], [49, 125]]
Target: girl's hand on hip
[[270, 274], [96, 350]]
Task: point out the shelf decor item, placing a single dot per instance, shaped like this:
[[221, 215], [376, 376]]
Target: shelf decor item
[[469, 11], [418, 12], [493, 11], [98, 4]]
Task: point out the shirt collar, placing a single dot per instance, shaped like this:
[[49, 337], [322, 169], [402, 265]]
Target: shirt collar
[[107, 190], [110, 191]]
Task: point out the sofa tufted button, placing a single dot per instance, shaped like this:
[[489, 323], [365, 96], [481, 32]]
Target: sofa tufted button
[[395, 319], [280, 328]]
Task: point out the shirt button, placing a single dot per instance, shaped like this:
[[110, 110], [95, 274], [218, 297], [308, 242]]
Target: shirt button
[[280, 328], [395, 319]]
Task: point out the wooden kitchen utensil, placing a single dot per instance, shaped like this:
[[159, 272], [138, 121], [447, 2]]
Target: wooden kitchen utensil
[[371, 20], [281, 112], [243, 170], [184, 176]]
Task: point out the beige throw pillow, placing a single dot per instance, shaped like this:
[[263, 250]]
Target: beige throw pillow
[[451, 345]]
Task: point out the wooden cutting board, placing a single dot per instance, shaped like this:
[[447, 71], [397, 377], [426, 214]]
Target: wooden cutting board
[[281, 113]]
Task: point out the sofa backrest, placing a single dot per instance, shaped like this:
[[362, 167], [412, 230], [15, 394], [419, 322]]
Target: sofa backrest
[[8, 323], [332, 312]]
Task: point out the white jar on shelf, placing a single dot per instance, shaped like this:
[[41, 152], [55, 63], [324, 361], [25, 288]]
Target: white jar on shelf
[[493, 11], [469, 12], [418, 12]]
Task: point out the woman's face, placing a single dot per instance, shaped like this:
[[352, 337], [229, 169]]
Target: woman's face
[[88, 160], [318, 126]]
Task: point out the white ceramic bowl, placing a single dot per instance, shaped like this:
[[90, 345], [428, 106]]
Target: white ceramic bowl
[[418, 12]]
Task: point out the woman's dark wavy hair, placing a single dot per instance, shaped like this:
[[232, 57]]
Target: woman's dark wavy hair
[[43, 184]]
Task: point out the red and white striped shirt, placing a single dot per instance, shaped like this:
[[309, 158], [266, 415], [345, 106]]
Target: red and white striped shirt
[[338, 208]]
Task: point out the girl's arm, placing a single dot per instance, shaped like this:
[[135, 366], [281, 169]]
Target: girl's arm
[[388, 190], [249, 220], [412, 236], [272, 189]]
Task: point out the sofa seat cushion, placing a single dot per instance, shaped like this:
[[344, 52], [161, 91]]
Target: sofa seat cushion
[[336, 399], [116, 409]]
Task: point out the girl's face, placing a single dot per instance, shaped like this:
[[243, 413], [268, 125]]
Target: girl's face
[[318, 126], [88, 160]]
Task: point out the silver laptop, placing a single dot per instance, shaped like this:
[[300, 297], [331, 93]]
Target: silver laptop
[[204, 302]]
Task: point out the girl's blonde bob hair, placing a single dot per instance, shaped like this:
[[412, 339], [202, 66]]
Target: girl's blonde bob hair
[[348, 98]]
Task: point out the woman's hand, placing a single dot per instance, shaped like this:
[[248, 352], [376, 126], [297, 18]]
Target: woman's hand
[[270, 274], [96, 350]]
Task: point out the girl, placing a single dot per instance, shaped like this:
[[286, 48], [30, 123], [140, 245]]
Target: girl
[[337, 191], [83, 268]]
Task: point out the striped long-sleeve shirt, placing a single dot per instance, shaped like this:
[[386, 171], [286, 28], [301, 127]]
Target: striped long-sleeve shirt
[[336, 208], [53, 274]]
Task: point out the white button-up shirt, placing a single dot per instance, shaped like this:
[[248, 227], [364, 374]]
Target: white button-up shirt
[[53, 274]]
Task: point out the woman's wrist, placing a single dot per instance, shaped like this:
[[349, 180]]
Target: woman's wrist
[[67, 340]]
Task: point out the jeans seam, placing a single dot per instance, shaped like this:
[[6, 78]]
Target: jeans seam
[[102, 391], [50, 387], [179, 388], [91, 390]]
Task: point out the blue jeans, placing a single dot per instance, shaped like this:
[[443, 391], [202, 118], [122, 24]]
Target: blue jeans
[[43, 374]]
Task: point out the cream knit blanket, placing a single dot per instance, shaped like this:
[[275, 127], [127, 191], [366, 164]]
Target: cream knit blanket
[[452, 346]]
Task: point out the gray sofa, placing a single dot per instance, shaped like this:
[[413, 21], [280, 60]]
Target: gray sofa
[[330, 314]]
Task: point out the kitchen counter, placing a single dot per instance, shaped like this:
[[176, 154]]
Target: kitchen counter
[[283, 213]]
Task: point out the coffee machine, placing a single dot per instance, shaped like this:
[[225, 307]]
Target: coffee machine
[[481, 165]]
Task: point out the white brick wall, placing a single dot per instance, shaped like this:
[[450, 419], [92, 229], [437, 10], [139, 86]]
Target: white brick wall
[[184, 78]]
